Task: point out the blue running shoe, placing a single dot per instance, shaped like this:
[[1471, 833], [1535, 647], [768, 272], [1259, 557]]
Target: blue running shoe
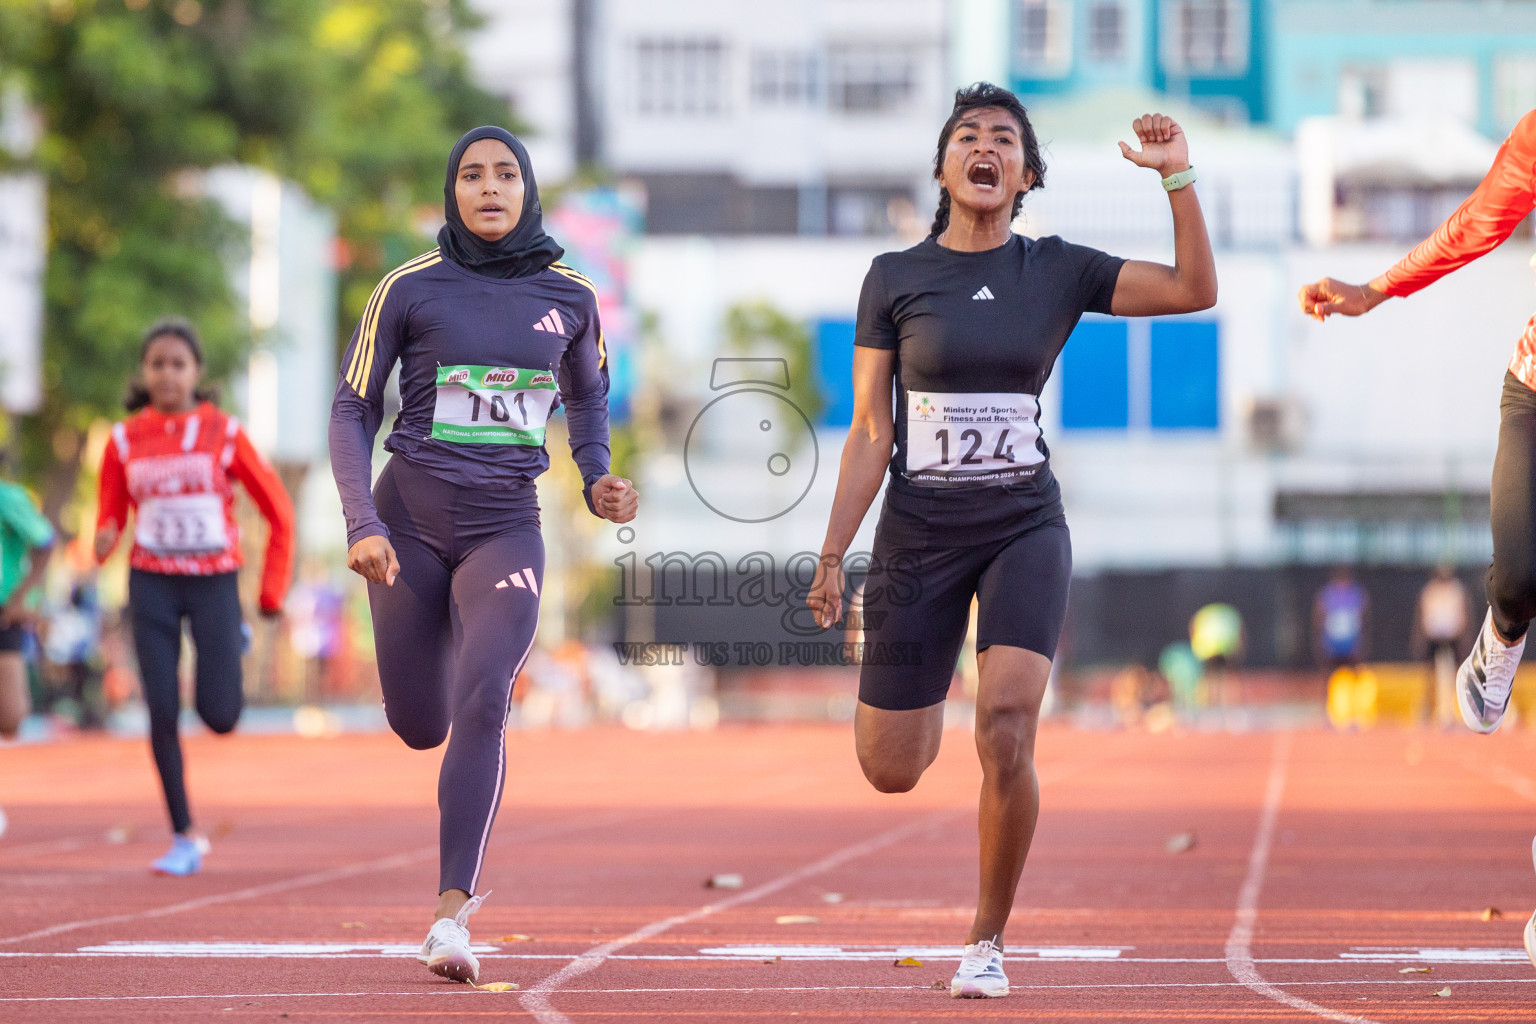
[[185, 857]]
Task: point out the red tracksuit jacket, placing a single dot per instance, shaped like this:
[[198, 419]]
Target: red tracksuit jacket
[[177, 473]]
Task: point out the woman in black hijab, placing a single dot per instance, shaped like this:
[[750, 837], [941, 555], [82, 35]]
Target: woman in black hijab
[[492, 334]]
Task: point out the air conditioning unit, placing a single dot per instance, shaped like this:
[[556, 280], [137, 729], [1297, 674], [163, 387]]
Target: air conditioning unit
[[1275, 424]]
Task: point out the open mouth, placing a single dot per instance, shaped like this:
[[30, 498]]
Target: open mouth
[[983, 174], [490, 209]]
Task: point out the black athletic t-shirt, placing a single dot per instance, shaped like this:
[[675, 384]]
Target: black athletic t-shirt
[[976, 335]]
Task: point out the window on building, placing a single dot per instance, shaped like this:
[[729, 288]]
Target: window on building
[[1363, 92], [1096, 377], [1106, 31], [1205, 37], [680, 76], [1514, 89], [1186, 377], [1042, 34], [868, 79], [785, 78], [1164, 376]]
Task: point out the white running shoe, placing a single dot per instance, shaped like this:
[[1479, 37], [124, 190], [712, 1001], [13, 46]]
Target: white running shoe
[[446, 951], [1530, 926], [1485, 679], [981, 973]]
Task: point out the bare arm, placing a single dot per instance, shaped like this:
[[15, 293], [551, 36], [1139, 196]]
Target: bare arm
[[1155, 289], [866, 454], [1487, 217]]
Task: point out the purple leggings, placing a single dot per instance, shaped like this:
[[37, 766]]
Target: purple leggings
[[452, 634]]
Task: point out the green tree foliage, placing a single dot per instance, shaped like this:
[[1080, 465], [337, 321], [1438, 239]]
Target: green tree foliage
[[760, 329], [357, 100]]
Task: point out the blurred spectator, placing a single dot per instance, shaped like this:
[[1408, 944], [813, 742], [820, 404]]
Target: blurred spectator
[[1442, 626], [1216, 638], [72, 644], [26, 537], [316, 613], [1340, 619]]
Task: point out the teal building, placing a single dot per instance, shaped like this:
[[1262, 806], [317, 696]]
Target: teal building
[[1211, 52], [1275, 62]]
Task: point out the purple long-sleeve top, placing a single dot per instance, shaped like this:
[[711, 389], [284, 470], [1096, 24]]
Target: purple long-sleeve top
[[482, 363]]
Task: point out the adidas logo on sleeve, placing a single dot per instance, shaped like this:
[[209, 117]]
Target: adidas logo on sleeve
[[985, 293]]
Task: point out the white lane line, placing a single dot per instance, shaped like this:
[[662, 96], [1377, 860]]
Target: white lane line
[[1517, 958], [536, 999], [1239, 949], [399, 860], [44, 847], [448, 991]]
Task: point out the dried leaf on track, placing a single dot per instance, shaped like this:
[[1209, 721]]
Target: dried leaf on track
[[773, 961], [1181, 843], [1444, 992], [723, 882], [1492, 914], [498, 986], [940, 984], [514, 937], [796, 919], [908, 961], [1415, 970]]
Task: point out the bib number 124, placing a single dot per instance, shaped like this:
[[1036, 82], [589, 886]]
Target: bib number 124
[[973, 440]]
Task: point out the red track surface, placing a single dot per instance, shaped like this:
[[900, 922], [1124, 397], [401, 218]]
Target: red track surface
[[1333, 843]]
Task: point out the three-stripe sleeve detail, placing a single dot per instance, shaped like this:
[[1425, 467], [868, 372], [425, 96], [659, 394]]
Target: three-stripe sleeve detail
[[579, 278], [361, 366]]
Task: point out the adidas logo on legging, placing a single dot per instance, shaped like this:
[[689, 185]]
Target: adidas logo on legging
[[517, 580]]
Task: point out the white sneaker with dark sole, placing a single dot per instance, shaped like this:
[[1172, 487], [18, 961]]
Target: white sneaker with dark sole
[[446, 951], [981, 973], [1485, 679]]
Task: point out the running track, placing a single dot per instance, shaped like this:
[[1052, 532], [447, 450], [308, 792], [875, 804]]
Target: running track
[[1323, 866]]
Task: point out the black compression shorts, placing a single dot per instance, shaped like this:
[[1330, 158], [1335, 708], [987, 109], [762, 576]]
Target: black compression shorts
[[917, 603]]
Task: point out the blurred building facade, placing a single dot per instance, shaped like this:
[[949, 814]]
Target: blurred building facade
[[1329, 136]]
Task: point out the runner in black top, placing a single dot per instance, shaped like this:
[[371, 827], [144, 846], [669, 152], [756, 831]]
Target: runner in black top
[[966, 326]]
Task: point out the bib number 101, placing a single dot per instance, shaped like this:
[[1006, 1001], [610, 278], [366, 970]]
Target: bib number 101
[[971, 441], [496, 409]]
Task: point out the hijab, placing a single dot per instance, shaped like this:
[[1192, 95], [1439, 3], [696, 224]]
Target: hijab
[[521, 252]]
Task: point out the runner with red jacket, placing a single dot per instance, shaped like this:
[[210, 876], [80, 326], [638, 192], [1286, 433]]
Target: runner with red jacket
[[1506, 195], [175, 462]]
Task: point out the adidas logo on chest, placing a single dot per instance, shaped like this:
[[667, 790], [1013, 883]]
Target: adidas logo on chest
[[984, 293]]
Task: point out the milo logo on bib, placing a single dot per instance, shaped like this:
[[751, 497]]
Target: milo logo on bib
[[492, 404]]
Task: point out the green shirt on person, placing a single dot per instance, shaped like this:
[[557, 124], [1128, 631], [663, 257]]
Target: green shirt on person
[[22, 528]]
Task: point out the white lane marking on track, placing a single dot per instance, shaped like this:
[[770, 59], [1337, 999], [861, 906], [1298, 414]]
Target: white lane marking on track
[[44, 847], [1239, 949], [536, 999], [446, 991], [1495, 958], [398, 860]]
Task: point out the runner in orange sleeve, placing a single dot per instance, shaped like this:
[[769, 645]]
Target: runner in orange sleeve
[[1489, 216]]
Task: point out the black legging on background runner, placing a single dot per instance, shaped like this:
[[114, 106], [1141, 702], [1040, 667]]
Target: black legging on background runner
[[1512, 577], [452, 635], [158, 602]]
